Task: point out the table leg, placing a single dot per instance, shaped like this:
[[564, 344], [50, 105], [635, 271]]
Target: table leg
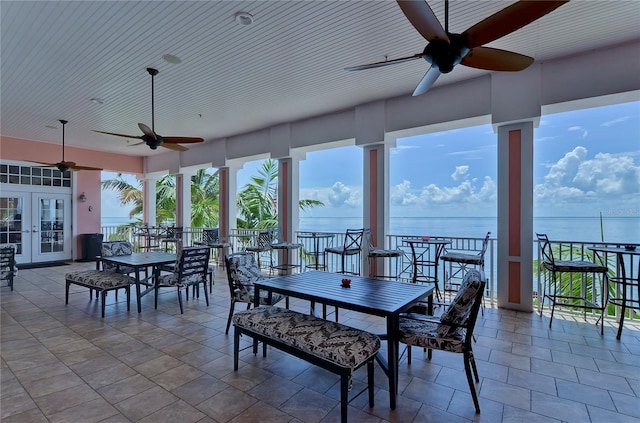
[[392, 357], [138, 290]]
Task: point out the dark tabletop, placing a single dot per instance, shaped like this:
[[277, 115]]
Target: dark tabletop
[[150, 258], [372, 296]]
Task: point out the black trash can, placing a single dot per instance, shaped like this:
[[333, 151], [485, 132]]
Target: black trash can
[[90, 246]]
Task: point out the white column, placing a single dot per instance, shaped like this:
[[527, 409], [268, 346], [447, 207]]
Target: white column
[[515, 216], [149, 200], [228, 208], [183, 198]]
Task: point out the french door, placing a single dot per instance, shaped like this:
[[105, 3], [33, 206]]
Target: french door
[[38, 224]]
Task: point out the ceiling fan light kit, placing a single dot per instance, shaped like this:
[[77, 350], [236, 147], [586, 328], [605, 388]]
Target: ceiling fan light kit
[[150, 136], [446, 50]]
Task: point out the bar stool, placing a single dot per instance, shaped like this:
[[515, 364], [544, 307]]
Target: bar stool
[[561, 290], [379, 253], [352, 247], [278, 244], [261, 245], [459, 262], [211, 238]]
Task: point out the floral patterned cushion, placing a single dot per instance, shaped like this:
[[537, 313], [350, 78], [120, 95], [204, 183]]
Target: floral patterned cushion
[[335, 342], [425, 334], [100, 279], [114, 249], [459, 309], [242, 272]]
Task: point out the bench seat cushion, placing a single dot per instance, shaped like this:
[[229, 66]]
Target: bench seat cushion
[[346, 346], [100, 279]]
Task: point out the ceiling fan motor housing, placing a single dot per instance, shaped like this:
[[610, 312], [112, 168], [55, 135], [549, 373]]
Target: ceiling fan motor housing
[[446, 55], [153, 143]]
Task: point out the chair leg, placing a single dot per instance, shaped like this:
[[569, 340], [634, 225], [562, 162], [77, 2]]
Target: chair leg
[[206, 294], [472, 386], [472, 360], [128, 291], [370, 381], [408, 354], [180, 299], [66, 293], [233, 304]]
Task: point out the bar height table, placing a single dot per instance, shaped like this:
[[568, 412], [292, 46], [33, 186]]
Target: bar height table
[[626, 282]]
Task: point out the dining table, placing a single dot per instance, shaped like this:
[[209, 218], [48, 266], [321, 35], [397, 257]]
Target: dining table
[[625, 280], [142, 261], [377, 297]]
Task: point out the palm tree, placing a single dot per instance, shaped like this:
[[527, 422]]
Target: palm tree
[[257, 202]]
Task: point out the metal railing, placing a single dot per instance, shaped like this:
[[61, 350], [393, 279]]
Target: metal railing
[[403, 268]]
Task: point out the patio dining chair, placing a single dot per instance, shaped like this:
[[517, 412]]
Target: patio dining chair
[[561, 289], [453, 331], [8, 267], [242, 272], [191, 270], [352, 247]]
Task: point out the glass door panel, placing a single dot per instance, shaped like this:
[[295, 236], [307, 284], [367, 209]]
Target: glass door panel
[[51, 223]]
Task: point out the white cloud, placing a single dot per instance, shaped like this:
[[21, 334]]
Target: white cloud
[[615, 121], [460, 173], [402, 195], [583, 131], [584, 183]]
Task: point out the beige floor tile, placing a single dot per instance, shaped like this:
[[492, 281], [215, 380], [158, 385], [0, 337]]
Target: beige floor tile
[[65, 363]]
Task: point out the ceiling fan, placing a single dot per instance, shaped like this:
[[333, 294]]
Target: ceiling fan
[[446, 50], [150, 136], [63, 166]]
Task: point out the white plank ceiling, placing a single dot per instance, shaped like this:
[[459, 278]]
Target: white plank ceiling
[[288, 65]]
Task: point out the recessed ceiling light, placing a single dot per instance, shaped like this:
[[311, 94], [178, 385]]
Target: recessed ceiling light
[[244, 18], [170, 58], [97, 101]]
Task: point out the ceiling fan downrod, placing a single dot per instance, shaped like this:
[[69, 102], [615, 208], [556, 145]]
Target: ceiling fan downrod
[[153, 72]]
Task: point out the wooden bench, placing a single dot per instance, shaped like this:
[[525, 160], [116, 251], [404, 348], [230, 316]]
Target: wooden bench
[[102, 281], [333, 346]]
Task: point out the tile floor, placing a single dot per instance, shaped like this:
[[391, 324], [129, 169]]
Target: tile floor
[[63, 363]]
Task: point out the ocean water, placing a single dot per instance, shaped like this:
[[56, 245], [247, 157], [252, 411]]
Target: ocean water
[[584, 229]]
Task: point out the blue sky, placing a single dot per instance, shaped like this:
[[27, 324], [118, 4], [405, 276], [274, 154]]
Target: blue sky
[[585, 162]]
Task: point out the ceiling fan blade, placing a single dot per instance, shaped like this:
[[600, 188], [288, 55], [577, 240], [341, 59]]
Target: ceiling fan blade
[[118, 135], [508, 20], [147, 131], [385, 63], [174, 147], [78, 167], [423, 19], [427, 81], [182, 140], [138, 143], [45, 164], [497, 60]]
